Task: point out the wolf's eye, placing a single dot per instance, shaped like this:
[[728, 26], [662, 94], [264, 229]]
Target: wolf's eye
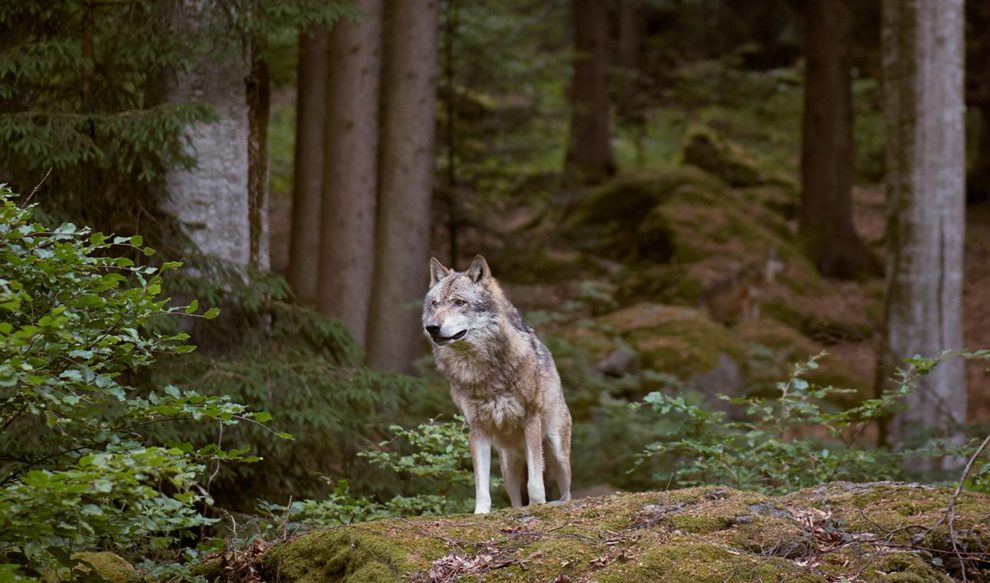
[[460, 303], [434, 303]]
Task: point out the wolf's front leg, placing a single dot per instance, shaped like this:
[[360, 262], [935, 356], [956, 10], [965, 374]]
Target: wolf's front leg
[[534, 460], [481, 458]]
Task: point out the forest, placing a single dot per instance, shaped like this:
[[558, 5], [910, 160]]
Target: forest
[[754, 235]]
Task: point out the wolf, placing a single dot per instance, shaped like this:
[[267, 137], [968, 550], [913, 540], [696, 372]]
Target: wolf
[[503, 380]]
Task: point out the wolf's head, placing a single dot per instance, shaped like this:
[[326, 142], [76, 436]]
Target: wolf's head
[[460, 305]]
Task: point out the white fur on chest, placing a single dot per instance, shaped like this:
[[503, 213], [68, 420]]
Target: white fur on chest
[[495, 412]]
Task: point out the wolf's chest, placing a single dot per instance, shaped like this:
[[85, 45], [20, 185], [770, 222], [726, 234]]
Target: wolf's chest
[[495, 411]]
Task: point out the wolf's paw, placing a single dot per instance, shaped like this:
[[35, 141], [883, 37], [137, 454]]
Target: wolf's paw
[[482, 509], [556, 503]]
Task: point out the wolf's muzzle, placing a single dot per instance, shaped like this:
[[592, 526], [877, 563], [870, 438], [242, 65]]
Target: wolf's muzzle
[[434, 332]]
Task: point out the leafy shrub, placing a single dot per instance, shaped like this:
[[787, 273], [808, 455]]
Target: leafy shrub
[[75, 470], [433, 457], [792, 440], [269, 353]]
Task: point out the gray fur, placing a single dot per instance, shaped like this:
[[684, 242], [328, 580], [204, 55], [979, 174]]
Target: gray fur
[[504, 381]]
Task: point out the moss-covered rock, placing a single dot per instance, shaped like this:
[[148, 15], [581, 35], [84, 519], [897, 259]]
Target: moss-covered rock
[[875, 532], [108, 566], [672, 339], [340, 555], [704, 148]]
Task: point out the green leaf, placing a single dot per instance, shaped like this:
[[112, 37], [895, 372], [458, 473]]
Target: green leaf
[[192, 307], [211, 313], [262, 416]]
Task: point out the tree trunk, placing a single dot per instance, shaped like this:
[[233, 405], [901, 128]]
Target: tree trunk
[[978, 94], [212, 202], [350, 169], [307, 189], [825, 213], [589, 153], [259, 108], [631, 31], [923, 92], [394, 336]]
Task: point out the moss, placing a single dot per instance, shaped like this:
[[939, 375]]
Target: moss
[[677, 340], [889, 506], [689, 561], [694, 534], [111, 567], [707, 150], [347, 555], [907, 567], [788, 344]]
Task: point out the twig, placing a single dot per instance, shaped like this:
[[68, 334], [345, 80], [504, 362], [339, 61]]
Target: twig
[[951, 512], [37, 187]]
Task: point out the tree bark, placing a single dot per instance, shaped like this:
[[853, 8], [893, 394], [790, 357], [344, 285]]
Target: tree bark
[[212, 202], [307, 189], [259, 109], [923, 92], [825, 213], [350, 169], [589, 153], [978, 93], [394, 336]]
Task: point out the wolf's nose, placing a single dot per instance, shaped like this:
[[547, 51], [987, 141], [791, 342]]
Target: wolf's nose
[[433, 329]]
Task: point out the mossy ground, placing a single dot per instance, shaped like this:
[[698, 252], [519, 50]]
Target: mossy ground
[[881, 531]]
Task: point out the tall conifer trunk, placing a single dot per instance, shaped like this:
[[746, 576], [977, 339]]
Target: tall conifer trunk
[[350, 169], [307, 188], [589, 151], [395, 339], [923, 76], [825, 212]]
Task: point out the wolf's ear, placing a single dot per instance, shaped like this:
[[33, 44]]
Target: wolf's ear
[[479, 272], [437, 271]]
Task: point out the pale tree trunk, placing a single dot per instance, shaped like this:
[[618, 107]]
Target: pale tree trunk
[[923, 89], [350, 169], [409, 90], [589, 152], [214, 203], [825, 212], [307, 188]]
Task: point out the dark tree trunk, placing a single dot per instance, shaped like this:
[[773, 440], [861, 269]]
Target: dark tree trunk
[[631, 29], [825, 213], [307, 189], [589, 153], [978, 96], [395, 338], [923, 94], [259, 107], [350, 166]]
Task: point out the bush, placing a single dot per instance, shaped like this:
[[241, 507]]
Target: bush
[[795, 439], [433, 457], [76, 473]]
